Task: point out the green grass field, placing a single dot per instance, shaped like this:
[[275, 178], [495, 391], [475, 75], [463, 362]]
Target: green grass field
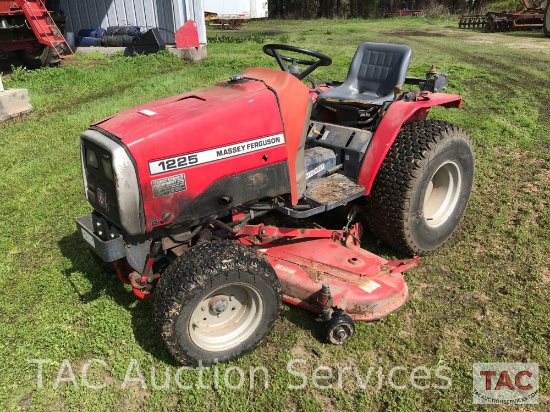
[[482, 297]]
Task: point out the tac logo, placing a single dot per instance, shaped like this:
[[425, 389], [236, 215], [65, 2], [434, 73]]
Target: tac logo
[[506, 383]]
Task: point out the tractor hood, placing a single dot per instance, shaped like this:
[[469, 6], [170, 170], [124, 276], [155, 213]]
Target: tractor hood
[[183, 145], [195, 151], [200, 117]]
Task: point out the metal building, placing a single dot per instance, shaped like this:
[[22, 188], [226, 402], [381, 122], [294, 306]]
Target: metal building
[[167, 15]]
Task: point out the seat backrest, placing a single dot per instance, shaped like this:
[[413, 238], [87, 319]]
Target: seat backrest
[[377, 68]]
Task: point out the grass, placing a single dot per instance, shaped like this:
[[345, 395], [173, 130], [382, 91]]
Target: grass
[[483, 297]]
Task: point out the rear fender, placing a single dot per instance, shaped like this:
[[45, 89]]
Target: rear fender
[[398, 114]]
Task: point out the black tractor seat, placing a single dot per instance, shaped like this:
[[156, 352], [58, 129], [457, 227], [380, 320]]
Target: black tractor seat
[[376, 69]]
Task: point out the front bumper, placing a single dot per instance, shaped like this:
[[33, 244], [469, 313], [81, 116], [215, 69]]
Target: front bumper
[[108, 250]]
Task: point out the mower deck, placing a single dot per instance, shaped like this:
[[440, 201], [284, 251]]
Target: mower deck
[[363, 285]]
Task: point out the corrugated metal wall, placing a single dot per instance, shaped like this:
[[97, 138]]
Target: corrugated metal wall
[[167, 15]]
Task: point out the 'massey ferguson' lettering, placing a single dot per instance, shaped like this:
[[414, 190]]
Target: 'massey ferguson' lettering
[[249, 147], [267, 142], [231, 150], [211, 155]]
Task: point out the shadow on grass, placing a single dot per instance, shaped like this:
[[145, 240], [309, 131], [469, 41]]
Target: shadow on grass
[[8, 61], [104, 281], [308, 321], [535, 34]]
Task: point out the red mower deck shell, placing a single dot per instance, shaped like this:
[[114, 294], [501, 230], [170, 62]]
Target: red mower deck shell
[[364, 285]]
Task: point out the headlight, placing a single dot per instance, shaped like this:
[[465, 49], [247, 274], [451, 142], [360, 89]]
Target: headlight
[[107, 169], [91, 159]]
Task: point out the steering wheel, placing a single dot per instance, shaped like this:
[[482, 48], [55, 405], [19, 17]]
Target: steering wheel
[[273, 51]]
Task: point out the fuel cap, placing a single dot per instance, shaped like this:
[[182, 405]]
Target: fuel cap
[[237, 78]]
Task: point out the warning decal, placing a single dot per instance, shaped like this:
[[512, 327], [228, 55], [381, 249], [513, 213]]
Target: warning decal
[[370, 286], [168, 185]]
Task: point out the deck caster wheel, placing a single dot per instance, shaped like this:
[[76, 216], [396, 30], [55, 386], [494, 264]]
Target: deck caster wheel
[[340, 328]]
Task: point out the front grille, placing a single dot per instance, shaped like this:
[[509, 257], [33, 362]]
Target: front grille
[[100, 185], [112, 187]]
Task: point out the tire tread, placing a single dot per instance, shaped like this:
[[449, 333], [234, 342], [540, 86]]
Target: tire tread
[[189, 273], [389, 200]]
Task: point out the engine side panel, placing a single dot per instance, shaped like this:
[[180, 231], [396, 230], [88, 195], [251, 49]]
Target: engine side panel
[[265, 181]]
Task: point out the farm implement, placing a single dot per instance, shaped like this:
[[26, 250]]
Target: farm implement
[[35, 34], [527, 17]]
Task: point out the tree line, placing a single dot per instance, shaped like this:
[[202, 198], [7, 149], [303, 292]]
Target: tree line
[[345, 9]]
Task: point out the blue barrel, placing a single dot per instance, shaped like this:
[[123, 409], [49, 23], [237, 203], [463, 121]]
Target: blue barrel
[[88, 41], [85, 33]]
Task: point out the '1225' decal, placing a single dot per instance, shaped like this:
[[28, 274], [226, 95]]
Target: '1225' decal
[[179, 162]]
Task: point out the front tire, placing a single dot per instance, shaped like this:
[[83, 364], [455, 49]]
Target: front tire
[[216, 302], [423, 187]]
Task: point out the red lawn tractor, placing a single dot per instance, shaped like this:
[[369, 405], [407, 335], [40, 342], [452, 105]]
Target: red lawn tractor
[[195, 196]]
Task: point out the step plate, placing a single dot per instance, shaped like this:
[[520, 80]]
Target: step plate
[[333, 191]]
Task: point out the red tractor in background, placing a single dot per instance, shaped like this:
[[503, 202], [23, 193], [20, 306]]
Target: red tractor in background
[[28, 28], [197, 197]]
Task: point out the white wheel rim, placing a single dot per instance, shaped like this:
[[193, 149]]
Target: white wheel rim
[[442, 194], [226, 317]]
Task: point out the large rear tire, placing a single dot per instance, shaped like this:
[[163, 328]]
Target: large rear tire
[[216, 302], [546, 22], [422, 188], [44, 57]]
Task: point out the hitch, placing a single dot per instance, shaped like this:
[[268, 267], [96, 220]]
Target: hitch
[[434, 82]]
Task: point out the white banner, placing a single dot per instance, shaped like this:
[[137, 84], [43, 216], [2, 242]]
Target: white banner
[[211, 155]]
